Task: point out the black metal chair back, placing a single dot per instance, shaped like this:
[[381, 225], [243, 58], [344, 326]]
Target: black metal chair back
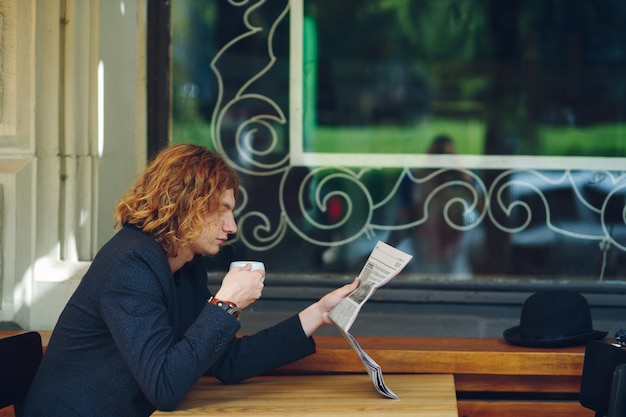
[[20, 356]]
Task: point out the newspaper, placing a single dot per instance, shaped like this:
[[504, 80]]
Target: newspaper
[[384, 263]]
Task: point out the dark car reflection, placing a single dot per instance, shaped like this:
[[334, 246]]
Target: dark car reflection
[[568, 224]]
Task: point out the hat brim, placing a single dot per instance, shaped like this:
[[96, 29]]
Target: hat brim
[[514, 337]]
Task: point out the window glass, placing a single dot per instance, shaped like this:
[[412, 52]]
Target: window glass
[[486, 138]]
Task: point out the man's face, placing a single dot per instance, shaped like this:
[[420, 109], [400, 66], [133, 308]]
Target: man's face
[[217, 226]]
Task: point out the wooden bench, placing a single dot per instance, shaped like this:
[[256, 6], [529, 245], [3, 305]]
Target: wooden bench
[[492, 377]]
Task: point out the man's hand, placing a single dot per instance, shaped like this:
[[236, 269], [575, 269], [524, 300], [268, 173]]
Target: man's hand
[[316, 315], [242, 286]]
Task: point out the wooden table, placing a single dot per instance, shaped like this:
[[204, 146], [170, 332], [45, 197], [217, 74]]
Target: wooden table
[[321, 395]]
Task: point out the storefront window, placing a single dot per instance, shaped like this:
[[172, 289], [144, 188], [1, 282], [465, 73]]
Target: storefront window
[[486, 138]]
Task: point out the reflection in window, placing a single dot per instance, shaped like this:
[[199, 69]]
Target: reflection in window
[[522, 79]]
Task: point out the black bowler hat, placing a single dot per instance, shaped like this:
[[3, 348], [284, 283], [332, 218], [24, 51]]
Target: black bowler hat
[[554, 318]]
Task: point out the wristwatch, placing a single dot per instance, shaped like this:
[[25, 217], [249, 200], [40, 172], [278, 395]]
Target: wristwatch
[[227, 306]]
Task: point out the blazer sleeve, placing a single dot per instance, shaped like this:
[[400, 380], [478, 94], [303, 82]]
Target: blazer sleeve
[[270, 348], [136, 304], [248, 356]]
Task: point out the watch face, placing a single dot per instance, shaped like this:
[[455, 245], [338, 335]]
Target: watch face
[[235, 312]]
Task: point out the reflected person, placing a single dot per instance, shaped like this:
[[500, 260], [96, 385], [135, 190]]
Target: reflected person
[[142, 327], [438, 247]]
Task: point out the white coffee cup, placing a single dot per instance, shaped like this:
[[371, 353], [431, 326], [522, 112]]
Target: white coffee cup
[[255, 264]]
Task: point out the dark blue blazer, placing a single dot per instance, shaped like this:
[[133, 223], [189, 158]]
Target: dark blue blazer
[[134, 338]]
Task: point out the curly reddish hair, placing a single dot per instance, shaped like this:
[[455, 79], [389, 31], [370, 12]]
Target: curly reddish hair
[[181, 185]]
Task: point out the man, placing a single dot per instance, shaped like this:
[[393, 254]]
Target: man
[[142, 327]]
